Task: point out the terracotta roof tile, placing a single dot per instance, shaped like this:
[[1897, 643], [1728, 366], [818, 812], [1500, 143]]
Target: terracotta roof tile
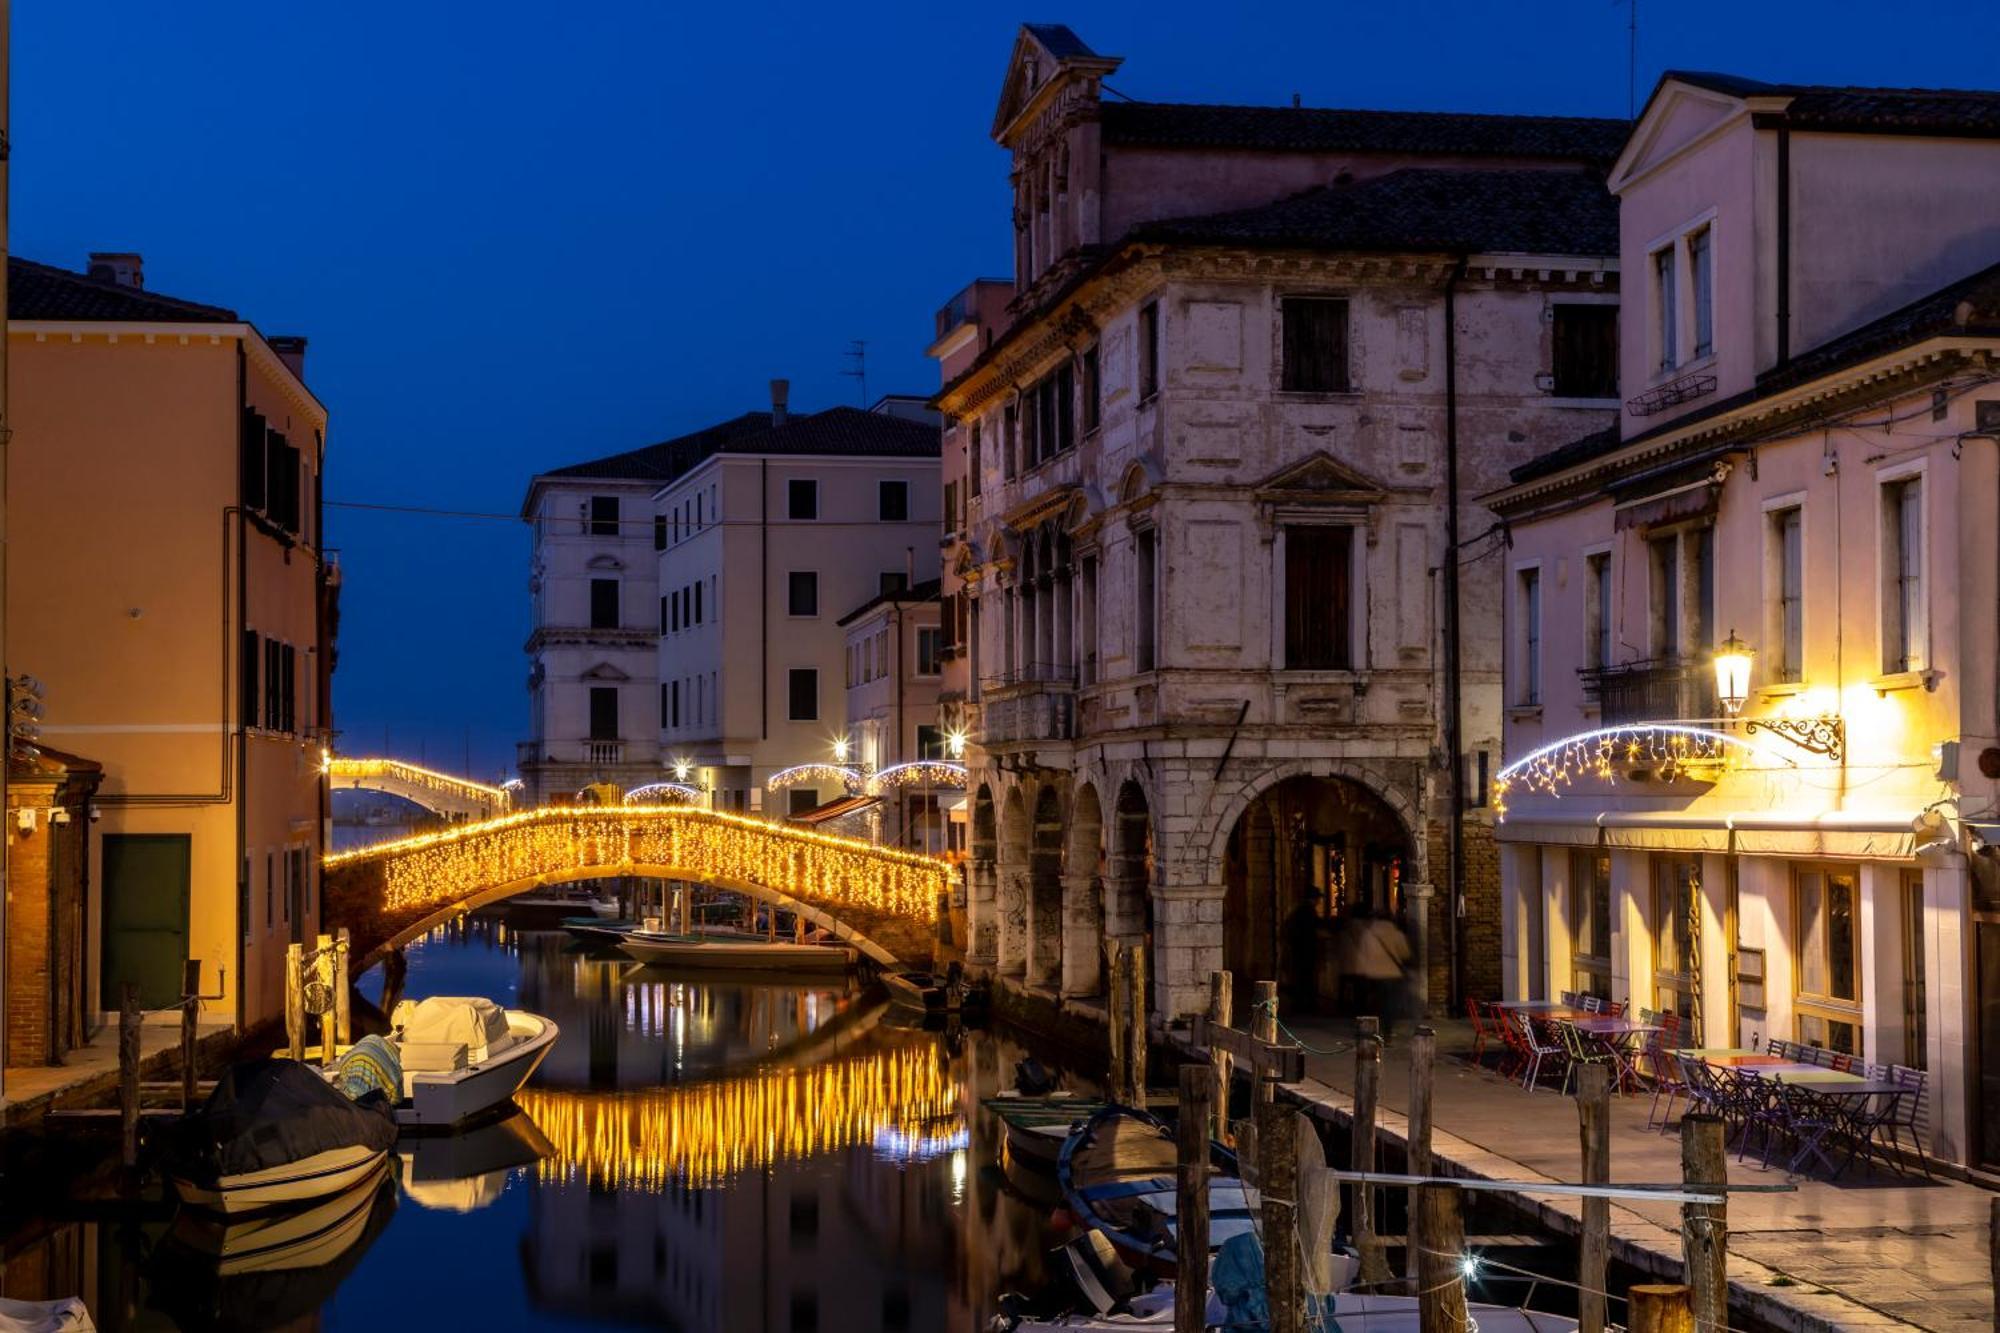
[[42, 291], [1324, 130]]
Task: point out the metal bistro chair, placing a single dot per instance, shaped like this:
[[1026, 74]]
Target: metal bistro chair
[[1580, 1049], [1536, 1052], [1569, 998], [1500, 1025], [1592, 1005], [1664, 1069], [1479, 1033], [1614, 1008], [1780, 1048], [1911, 1113]]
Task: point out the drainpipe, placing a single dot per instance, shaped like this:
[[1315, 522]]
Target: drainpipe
[[1454, 726], [6, 429], [1784, 244], [243, 720]]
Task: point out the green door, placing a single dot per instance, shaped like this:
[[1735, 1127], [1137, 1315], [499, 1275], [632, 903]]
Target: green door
[[145, 916]]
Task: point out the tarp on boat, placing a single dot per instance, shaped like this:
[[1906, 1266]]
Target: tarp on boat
[[265, 1113], [370, 1065], [471, 1021]]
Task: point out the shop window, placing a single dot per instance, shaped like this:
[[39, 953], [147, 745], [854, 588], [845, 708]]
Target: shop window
[[1827, 904], [1590, 921]]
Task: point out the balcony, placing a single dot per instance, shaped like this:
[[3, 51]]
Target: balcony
[[1034, 703], [1660, 690], [587, 753]]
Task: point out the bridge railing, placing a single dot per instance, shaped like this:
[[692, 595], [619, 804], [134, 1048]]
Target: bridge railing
[[344, 769]]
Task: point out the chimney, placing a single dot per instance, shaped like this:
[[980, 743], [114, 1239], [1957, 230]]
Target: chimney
[[781, 391], [119, 266], [291, 349]]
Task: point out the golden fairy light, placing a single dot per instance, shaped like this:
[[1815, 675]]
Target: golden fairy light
[[342, 769], [799, 774], [704, 1133], [921, 773], [1668, 750], [435, 870]]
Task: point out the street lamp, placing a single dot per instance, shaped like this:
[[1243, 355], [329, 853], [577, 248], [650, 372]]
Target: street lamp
[[1732, 673], [682, 767], [840, 747], [955, 742]]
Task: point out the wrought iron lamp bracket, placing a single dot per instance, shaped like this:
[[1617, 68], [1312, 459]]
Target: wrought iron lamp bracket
[[1825, 734]]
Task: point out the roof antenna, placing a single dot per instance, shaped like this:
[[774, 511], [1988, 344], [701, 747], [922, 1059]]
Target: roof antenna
[[857, 352], [1632, 62], [1295, 101]]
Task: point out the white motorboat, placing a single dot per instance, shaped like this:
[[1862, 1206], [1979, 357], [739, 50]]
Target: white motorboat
[[461, 1056], [736, 953]]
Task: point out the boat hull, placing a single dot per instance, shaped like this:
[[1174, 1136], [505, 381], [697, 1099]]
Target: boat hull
[[440, 1101], [285, 1186], [739, 955]]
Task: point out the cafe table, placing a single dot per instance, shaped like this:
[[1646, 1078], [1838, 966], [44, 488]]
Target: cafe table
[[1857, 1107], [1613, 1034]]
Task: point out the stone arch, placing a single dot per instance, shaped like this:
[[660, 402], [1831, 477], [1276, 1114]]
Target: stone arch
[[1012, 889], [984, 849], [1212, 840], [1129, 901], [1083, 897], [1045, 891]]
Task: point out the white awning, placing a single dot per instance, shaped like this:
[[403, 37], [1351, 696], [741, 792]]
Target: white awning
[[1551, 830], [1839, 834], [1832, 833], [1663, 830]]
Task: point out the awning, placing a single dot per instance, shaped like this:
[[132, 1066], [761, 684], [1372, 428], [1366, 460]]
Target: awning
[[834, 809], [1833, 833], [1554, 830], [1838, 834], [1663, 830], [955, 811]]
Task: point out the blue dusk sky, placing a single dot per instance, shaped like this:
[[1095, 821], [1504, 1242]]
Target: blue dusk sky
[[520, 235]]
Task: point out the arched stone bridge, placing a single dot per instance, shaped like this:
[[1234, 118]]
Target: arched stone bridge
[[883, 902], [440, 793]]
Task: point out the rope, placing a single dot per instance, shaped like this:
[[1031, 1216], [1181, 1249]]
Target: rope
[[1271, 1007]]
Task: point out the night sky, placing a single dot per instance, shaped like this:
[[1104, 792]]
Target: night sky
[[523, 235]]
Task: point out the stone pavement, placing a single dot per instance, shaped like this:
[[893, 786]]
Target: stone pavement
[[91, 1072], [1869, 1251]]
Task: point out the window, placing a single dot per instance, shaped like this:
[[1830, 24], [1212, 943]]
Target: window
[[1665, 556], [1149, 350], [1146, 605], [699, 523], [666, 704], [1903, 575], [1666, 305], [659, 532], [604, 603], [1091, 388], [1584, 351], [895, 502], [1086, 624], [674, 709], [697, 602], [604, 516], [250, 693], [604, 712], [802, 597], [929, 640], [1315, 351], [1829, 977], [803, 694], [803, 800], [974, 463], [894, 581], [801, 499], [1704, 592], [1009, 437], [665, 626], [1701, 269], [930, 742], [1597, 609], [1318, 587], [674, 605], [1787, 530], [1676, 935], [1528, 609], [251, 449], [1590, 921], [1916, 1022]]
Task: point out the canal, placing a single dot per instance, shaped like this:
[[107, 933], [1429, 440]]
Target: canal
[[696, 1153]]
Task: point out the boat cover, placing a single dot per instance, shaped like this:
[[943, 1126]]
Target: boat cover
[[68, 1315], [470, 1021], [265, 1113], [370, 1065]]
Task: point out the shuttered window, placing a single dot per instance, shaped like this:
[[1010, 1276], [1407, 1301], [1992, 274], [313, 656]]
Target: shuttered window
[[1584, 351], [804, 694], [1318, 588], [252, 695], [604, 712], [1315, 345], [253, 459], [604, 603]]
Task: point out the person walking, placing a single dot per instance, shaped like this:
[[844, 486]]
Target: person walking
[[1381, 955]]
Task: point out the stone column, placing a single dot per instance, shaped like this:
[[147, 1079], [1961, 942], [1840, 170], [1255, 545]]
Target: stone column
[[1013, 914], [982, 912], [1083, 935], [1187, 947], [1718, 951]]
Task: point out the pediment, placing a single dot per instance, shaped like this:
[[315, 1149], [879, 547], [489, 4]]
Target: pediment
[[1033, 69], [604, 562], [1320, 474], [1677, 116], [604, 671]]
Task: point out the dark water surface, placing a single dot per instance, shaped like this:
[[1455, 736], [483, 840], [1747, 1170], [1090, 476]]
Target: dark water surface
[[696, 1153]]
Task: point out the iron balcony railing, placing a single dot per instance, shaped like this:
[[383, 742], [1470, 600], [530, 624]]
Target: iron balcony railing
[[1660, 689]]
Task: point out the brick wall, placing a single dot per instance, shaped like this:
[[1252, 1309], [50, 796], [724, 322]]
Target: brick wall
[[28, 943], [1479, 928]]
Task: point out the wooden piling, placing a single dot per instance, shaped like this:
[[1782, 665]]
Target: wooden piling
[[1993, 1250], [1593, 1113], [1136, 1042], [1117, 1076], [1277, 1180], [1367, 1093], [1705, 1226], [128, 1075], [1221, 1007], [323, 948], [1264, 1027], [190, 1014], [1191, 1202], [295, 1002], [343, 1012], [1440, 1260], [1423, 1061], [1659, 1308]]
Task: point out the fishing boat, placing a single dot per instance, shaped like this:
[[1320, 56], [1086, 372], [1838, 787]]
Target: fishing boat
[[933, 992], [599, 932], [547, 911], [458, 1057], [275, 1134], [1117, 1170], [1038, 1126], [302, 1237], [738, 953]]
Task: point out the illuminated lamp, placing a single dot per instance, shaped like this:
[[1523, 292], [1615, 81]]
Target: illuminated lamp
[[1732, 673]]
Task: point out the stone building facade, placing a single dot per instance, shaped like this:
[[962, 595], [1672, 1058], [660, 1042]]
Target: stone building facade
[[1205, 526]]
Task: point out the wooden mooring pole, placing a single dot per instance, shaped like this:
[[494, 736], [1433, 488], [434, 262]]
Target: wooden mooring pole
[[324, 949], [1136, 1051], [1361, 1157], [1221, 1006], [1264, 1027], [1593, 1113], [1191, 1202], [1277, 1180], [295, 1001], [1659, 1308], [1423, 1060], [1705, 1226], [1117, 1024], [190, 1014], [343, 1013], [128, 1075], [1440, 1259]]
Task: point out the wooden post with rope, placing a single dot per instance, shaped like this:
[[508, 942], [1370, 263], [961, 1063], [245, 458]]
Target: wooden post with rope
[[1423, 1060], [1277, 1181], [1361, 1157], [323, 956], [128, 1075], [1136, 1035], [1118, 1024], [1220, 1012], [295, 1001], [1264, 1027], [343, 1015], [1593, 1111], [1705, 1226], [1191, 1202], [1440, 1262]]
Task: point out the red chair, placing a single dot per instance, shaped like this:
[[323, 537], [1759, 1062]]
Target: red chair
[[1479, 1033]]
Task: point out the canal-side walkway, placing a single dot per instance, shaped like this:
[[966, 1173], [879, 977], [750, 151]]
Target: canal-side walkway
[[89, 1074], [1870, 1251]]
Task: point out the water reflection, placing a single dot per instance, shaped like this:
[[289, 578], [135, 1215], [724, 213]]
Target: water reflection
[[694, 1154]]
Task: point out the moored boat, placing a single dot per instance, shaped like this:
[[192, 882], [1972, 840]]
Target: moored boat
[[1038, 1126], [597, 931], [274, 1134], [1117, 1172], [459, 1057], [741, 953]]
